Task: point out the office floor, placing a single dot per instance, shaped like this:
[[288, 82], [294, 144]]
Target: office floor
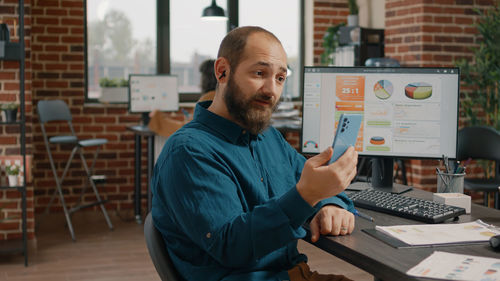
[[101, 254]]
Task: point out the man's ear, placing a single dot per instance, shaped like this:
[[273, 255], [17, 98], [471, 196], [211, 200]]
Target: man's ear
[[221, 69]]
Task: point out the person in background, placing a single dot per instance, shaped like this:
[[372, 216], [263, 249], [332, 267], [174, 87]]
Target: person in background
[[208, 80], [230, 195], [164, 125]]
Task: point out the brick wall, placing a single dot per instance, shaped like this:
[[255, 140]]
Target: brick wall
[[326, 14], [55, 45], [58, 73], [10, 200], [431, 33]]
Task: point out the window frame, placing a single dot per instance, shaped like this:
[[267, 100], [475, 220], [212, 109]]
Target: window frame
[[163, 62]]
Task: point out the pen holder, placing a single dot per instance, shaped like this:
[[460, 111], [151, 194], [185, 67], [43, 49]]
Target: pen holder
[[450, 183]]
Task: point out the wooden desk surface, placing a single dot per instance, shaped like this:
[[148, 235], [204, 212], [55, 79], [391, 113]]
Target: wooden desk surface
[[388, 263]]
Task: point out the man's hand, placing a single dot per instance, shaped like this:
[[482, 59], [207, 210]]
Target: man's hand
[[319, 182], [331, 220]]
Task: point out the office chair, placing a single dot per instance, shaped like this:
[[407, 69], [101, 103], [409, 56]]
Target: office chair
[[158, 252], [480, 142], [57, 110]]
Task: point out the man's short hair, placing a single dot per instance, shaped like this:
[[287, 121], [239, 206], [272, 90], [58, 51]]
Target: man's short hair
[[233, 45]]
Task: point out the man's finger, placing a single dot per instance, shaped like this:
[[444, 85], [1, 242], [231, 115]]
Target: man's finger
[[321, 158], [336, 224], [314, 225], [325, 225], [351, 223]]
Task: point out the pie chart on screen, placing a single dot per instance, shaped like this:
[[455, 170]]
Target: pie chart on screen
[[383, 89], [418, 90]]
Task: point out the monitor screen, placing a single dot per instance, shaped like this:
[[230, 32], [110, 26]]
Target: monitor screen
[[153, 92], [407, 112]]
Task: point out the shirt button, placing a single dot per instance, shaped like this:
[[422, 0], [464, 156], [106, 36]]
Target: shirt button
[[261, 179], [209, 235]]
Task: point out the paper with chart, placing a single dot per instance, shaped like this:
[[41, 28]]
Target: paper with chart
[[432, 234], [449, 266]]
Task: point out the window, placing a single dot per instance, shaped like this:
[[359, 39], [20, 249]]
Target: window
[[192, 40], [121, 40], [283, 19], [124, 37]]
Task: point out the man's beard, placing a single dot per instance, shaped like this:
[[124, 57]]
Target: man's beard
[[253, 118]]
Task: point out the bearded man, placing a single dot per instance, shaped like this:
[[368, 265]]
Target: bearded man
[[230, 195]]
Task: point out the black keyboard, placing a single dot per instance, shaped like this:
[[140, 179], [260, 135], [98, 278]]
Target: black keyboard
[[403, 206]]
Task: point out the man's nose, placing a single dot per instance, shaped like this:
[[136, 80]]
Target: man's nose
[[271, 88]]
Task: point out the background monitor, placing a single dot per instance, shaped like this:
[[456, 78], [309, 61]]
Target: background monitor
[[152, 92], [407, 112]]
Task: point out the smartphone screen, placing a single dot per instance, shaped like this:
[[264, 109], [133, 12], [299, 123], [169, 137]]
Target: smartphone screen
[[346, 135]]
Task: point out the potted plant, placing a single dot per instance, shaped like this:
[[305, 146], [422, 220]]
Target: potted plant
[[10, 110], [481, 104], [482, 74], [352, 18], [330, 43], [13, 174], [113, 90]]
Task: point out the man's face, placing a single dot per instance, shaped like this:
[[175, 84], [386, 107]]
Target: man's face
[[254, 88]]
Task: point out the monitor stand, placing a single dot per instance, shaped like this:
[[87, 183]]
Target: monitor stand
[[145, 119], [382, 176]]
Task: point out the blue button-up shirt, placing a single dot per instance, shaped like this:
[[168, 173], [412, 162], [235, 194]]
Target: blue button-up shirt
[[226, 203]]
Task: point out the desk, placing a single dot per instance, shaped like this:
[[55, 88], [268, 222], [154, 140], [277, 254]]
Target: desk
[[388, 263], [142, 131]]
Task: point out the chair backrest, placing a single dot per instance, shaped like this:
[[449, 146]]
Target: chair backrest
[[158, 252], [53, 110], [478, 142]]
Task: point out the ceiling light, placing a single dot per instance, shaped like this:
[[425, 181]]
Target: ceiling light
[[213, 12]]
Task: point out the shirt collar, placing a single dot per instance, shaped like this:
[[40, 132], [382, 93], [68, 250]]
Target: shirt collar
[[230, 130]]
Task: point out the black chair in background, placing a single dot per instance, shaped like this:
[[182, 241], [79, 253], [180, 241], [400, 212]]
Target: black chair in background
[[158, 252], [480, 142]]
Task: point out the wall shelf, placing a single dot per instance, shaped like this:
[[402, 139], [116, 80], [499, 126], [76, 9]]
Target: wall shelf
[[15, 52]]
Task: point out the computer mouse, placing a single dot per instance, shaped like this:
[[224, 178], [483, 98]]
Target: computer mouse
[[495, 242]]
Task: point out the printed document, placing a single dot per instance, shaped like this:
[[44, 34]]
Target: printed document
[[442, 265], [433, 234]]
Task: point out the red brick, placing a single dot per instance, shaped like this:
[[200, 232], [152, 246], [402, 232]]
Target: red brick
[[56, 12], [8, 140], [48, 3], [464, 20], [72, 4], [10, 86], [77, 22], [7, 75], [47, 21], [452, 29], [443, 19], [47, 39], [58, 30], [7, 225], [48, 57], [56, 66]]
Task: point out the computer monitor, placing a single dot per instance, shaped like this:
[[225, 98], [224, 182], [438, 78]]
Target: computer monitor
[[407, 112], [152, 92]]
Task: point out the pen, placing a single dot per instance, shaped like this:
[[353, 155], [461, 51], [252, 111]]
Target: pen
[[446, 166], [457, 167], [361, 215]]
